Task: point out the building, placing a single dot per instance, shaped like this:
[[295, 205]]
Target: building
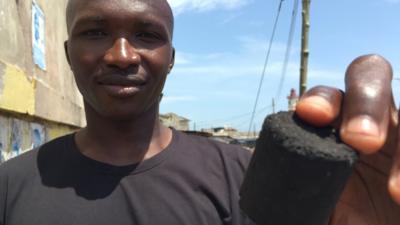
[[222, 131], [293, 98], [175, 121], [38, 97]]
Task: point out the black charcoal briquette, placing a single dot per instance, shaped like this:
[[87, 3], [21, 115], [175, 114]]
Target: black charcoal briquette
[[297, 173]]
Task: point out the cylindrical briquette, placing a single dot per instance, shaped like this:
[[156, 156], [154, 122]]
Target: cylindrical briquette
[[297, 173]]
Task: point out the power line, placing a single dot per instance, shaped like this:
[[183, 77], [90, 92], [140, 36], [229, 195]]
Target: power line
[[224, 119], [235, 117], [265, 65], [262, 111], [258, 113], [288, 48]]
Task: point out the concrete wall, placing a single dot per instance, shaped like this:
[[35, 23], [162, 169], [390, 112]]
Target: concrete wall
[[19, 134], [175, 121], [29, 96]]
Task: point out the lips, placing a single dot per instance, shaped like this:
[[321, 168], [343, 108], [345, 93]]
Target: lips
[[121, 86]]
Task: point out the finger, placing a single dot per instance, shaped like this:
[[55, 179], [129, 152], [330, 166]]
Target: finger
[[320, 106], [389, 148], [394, 180], [367, 103]]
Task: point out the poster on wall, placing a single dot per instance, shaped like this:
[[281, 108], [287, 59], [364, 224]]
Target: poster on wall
[[4, 138], [38, 36], [38, 135], [16, 137]]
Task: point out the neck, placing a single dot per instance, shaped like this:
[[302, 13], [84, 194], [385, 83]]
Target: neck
[[123, 142]]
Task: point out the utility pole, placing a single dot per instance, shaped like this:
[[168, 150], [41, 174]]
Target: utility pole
[[304, 46], [273, 105]]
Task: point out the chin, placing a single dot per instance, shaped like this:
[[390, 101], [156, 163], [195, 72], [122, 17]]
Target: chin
[[121, 111], [122, 115], [131, 113]]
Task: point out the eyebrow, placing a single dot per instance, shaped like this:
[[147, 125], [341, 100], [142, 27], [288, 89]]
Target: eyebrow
[[88, 19], [99, 19], [149, 24]]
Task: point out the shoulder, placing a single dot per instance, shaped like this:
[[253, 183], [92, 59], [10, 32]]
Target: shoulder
[[19, 165], [26, 164], [13, 174], [208, 148], [22, 173]]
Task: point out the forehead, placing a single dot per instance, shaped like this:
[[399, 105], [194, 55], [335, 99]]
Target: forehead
[[137, 5], [157, 10]]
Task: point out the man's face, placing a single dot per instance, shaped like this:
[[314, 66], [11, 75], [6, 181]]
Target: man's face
[[120, 52]]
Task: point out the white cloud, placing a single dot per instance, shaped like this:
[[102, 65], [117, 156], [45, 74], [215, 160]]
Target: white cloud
[[189, 59], [260, 45], [212, 82], [245, 65], [182, 58], [180, 6], [231, 18], [213, 70], [248, 59]]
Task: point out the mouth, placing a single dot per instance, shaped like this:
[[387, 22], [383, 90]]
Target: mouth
[[121, 86]]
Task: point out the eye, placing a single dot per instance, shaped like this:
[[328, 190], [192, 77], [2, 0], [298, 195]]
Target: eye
[[94, 34], [148, 37]]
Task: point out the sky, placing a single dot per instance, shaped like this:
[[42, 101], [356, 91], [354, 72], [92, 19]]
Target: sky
[[221, 47]]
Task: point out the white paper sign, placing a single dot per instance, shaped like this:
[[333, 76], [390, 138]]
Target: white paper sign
[[38, 36]]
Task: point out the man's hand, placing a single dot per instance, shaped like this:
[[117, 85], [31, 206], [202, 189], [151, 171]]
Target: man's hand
[[367, 119]]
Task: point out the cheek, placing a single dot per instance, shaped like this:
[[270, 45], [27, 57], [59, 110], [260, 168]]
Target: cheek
[[160, 61], [83, 59], [160, 71], [83, 65], [158, 67], [83, 62]]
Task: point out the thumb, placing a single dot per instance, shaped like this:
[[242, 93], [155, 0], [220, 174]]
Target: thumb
[[394, 180]]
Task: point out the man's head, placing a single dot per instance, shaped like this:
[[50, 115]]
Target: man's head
[[120, 52], [163, 5]]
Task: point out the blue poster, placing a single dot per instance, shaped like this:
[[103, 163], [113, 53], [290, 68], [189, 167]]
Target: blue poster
[[38, 36], [38, 135]]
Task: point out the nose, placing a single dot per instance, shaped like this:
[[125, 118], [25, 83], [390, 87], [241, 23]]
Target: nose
[[122, 54]]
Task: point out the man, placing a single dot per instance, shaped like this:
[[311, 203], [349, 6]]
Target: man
[[127, 168]]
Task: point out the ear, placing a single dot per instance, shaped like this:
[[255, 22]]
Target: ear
[[67, 53], [172, 63]]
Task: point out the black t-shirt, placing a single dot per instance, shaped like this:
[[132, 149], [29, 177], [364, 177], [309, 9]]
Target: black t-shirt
[[193, 181]]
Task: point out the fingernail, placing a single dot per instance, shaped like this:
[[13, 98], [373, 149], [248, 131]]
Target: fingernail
[[363, 125], [318, 102], [394, 188], [395, 183]]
